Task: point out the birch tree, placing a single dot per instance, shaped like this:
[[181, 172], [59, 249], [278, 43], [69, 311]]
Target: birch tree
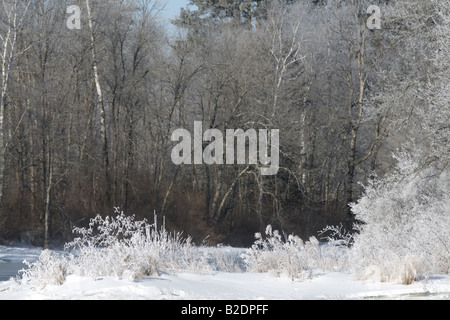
[[101, 101]]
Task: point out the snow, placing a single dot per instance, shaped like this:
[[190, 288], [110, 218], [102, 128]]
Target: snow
[[227, 286], [218, 286], [18, 253]]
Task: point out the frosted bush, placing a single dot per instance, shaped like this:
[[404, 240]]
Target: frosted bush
[[120, 247], [123, 246], [49, 269], [405, 233], [291, 256]]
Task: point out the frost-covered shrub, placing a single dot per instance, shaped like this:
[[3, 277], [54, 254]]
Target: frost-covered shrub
[[405, 234], [291, 256], [49, 269], [121, 247], [125, 247]]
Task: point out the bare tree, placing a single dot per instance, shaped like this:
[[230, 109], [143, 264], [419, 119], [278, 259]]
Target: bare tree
[[14, 13]]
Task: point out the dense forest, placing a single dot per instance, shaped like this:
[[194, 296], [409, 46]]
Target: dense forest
[[88, 108]]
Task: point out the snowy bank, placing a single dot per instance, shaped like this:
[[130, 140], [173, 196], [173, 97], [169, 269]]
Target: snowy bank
[[123, 259], [227, 286]]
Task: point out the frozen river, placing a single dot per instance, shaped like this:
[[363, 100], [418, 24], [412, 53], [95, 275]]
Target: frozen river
[[9, 269], [11, 259]]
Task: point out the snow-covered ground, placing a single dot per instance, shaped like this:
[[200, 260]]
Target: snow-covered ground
[[229, 286], [216, 286]]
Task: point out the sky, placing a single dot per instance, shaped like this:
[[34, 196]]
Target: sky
[[170, 11], [172, 7]]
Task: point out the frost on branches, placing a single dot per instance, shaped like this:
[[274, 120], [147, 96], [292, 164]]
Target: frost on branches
[[405, 230], [405, 233], [291, 256], [120, 247]]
